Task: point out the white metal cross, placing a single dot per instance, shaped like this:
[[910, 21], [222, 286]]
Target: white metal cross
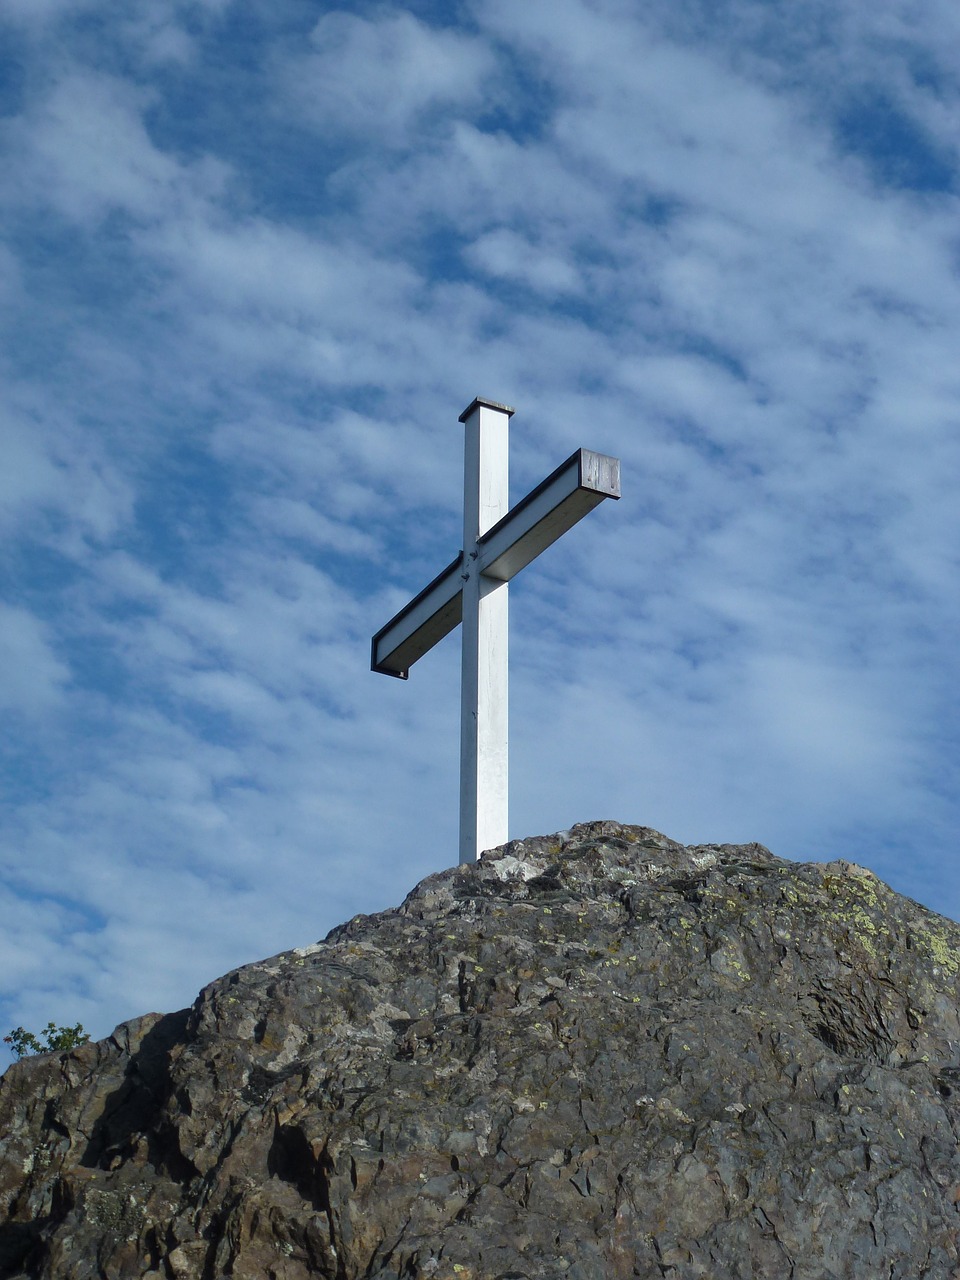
[[473, 590]]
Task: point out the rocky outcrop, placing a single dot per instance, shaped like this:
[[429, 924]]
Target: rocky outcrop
[[597, 1054]]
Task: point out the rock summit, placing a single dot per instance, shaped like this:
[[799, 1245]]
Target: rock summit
[[592, 1055]]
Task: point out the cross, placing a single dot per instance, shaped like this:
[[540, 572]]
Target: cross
[[473, 590]]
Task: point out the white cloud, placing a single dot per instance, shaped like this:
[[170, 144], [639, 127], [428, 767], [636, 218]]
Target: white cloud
[[11, 282], [31, 675], [829, 728], [157, 35], [42, 12], [30, 476], [380, 77], [511, 256], [85, 151], [58, 486], [297, 519]]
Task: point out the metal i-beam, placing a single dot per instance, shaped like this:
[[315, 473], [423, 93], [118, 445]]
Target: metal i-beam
[[547, 512], [419, 625]]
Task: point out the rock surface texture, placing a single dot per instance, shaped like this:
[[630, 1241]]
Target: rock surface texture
[[597, 1054]]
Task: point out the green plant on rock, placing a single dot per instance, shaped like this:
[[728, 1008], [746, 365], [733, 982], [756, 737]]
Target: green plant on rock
[[54, 1039]]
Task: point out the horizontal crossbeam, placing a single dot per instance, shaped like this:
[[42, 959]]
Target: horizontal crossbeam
[[539, 519], [421, 624], [547, 512]]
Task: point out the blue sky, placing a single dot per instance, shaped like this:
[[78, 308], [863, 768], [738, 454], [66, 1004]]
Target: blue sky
[[257, 259]]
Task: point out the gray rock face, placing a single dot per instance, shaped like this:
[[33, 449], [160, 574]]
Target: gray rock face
[[598, 1054]]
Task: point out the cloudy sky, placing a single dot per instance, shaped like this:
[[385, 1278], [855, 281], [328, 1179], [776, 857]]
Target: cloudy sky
[[256, 259]]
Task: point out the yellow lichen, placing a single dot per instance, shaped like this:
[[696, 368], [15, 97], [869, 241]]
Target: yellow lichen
[[940, 949], [855, 894]]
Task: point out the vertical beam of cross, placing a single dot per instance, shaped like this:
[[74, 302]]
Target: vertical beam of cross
[[483, 682], [497, 544]]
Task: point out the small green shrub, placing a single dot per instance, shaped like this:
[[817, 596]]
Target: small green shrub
[[54, 1039]]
